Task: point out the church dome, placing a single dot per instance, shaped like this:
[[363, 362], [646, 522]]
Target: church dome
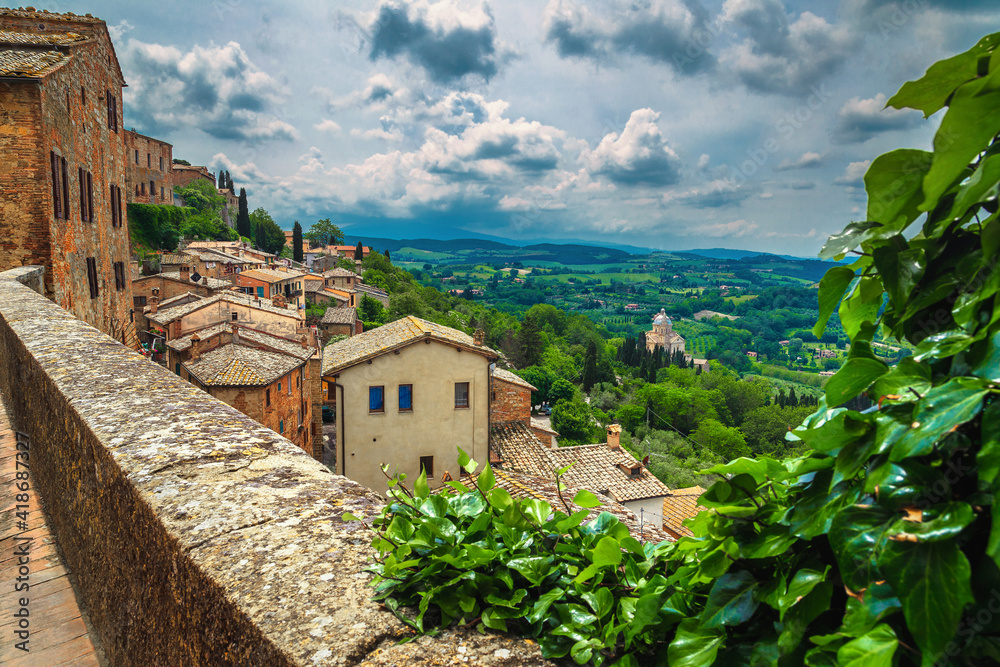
[[661, 317]]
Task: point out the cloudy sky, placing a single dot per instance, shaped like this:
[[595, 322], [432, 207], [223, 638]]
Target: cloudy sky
[[660, 123]]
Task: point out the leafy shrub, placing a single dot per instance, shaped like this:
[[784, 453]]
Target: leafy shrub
[[879, 547]]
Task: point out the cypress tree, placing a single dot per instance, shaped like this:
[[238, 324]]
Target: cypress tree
[[297, 253], [359, 252], [590, 367], [243, 216], [387, 255]]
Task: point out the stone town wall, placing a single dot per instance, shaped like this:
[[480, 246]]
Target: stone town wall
[[197, 536], [66, 112], [510, 402]]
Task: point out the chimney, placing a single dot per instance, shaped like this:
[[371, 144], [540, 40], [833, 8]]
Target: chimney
[[305, 342], [479, 337], [204, 281], [185, 272], [195, 347], [614, 436], [236, 332], [154, 301]]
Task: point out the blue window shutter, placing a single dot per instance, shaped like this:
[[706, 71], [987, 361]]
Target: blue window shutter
[[405, 397], [376, 401]]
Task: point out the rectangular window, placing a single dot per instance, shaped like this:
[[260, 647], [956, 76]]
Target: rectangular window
[[300, 417], [149, 160], [57, 200], [427, 465], [376, 399], [137, 156], [279, 387], [267, 396], [152, 190], [405, 397], [281, 426], [234, 317], [90, 197], [142, 189], [161, 163], [65, 188], [139, 301], [92, 276], [162, 194], [260, 292], [461, 394], [117, 203], [119, 276], [112, 112], [289, 384]]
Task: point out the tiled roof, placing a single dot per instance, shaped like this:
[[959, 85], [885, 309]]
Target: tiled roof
[[507, 376], [679, 505], [213, 244], [282, 344], [313, 285], [595, 467], [233, 364], [519, 449], [210, 255], [374, 342], [169, 303], [542, 427], [180, 311], [340, 316], [340, 273], [41, 38], [340, 294], [175, 258], [213, 283], [30, 63], [271, 275], [371, 291], [520, 485], [44, 14], [184, 342]]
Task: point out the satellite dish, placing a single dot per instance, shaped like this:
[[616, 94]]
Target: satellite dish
[[195, 277]]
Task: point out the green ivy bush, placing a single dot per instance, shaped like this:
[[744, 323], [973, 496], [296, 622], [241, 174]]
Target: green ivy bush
[[879, 547]]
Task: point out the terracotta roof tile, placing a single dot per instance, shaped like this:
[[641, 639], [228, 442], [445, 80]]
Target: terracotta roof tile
[[213, 283], [272, 275], [30, 63], [374, 342], [519, 449], [171, 314], [41, 38], [595, 467], [184, 342], [340, 273], [507, 376], [234, 364], [681, 504], [340, 316]]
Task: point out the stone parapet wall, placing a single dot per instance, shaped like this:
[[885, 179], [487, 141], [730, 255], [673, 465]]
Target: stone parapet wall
[[196, 535]]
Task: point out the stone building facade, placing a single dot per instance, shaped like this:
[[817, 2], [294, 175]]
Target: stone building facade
[[148, 177], [663, 335], [162, 286], [62, 163], [183, 175]]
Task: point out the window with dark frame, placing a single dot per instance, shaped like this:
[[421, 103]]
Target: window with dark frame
[[152, 190], [119, 276], [112, 103], [149, 160], [376, 399], [57, 200], [92, 276], [139, 301], [137, 156], [461, 394], [90, 197], [65, 188], [267, 397], [427, 465], [289, 384], [406, 398], [161, 163]]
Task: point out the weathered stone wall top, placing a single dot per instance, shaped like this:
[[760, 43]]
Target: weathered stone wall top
[[198, 536]]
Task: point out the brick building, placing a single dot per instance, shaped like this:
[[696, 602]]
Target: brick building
[[62, 163], [510, 398], [340, 322], [148, 177], [164, 286], [183, 175], [267, 283], [273, 379], [225, 307]]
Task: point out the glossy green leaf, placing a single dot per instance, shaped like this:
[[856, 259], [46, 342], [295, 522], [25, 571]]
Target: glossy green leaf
[[989, 367], [832, 286], [932, 582], [585, 498], [853, 235], [875, 649], [861, 305], [900, 270], [731, 600], [942, 410], [939, 522], [486, 479], [893, 183], [908, 378], [607, 552], [973, 118], [694, 646], [420, 488], [988, 458], [804, 581], [931, 92], [855, 535], [855, 376]]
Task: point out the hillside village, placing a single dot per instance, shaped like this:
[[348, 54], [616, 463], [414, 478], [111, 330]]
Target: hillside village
[[416, 381]]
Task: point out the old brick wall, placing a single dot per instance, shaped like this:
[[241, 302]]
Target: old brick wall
[[148, 159], [67, 113], [182, 177], [510, 402]]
